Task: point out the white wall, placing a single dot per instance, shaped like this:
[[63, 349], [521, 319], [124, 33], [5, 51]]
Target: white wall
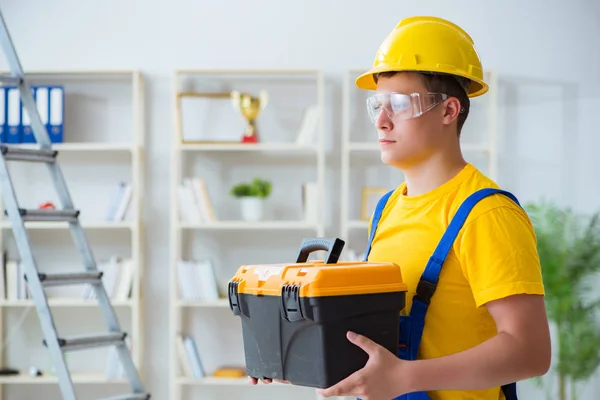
[[553, 41]]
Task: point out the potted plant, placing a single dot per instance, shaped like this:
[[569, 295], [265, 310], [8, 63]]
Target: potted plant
[[569, 249], [252, 196]]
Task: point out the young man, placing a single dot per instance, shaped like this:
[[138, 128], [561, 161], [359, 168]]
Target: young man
[[481, 300], [475, 320]]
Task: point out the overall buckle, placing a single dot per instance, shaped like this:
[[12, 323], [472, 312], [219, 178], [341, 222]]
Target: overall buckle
[[425, 290]]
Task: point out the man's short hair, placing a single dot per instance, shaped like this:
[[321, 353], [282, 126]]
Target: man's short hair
[[452, 85]]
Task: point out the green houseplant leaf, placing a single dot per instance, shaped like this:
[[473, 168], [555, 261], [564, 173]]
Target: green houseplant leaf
[[257, 188], [569, 250]]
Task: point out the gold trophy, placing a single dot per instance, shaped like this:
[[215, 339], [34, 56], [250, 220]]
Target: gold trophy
[[249, 107]]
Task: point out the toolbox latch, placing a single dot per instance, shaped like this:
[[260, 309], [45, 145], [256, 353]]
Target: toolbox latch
[[290, 303], [234, 302]]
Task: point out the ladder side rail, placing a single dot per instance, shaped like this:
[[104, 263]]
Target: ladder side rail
[[33, 282]]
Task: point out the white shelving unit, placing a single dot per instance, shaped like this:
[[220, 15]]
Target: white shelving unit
[[359, 146], [206, 145], [103, 143]]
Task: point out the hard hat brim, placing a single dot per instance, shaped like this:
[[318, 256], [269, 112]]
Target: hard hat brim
[[366, 81]]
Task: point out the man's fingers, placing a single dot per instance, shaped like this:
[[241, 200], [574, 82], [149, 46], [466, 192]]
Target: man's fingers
[[350, 386], [363, 342], [333, 391], [336, 390], [254, 381]]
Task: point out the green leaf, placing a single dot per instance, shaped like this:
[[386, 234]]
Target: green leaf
[[569, 250], [257, 188]]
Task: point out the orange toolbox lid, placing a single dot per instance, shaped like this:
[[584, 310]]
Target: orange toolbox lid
[[322, 277]]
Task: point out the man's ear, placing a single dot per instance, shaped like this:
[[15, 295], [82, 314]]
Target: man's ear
[[452, 109]]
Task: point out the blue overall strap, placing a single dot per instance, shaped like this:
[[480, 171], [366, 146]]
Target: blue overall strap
[[431, 274], [429, 279], [412, 325], [375, 220]]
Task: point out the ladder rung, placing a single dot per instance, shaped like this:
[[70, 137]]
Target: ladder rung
[[45, 214], [91, 341], [74, 278], [11, 80], [132, 396], [16, 153]]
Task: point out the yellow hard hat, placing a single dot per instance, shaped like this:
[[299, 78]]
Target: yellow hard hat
[[428, 44]]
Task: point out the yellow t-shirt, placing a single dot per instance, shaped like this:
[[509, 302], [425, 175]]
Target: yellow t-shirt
[[494, 256]]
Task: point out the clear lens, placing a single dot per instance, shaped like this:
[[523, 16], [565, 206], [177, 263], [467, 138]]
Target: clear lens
[[393, 104], [401, 106]]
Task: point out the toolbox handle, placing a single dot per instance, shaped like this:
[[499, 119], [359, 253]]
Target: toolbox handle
[[333, 247]]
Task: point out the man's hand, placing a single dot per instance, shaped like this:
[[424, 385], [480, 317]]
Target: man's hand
[[380, 379]]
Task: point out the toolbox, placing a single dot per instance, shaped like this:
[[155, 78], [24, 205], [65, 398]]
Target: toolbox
[[295, 316]]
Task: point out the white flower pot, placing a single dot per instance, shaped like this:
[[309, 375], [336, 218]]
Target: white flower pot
[[252, 208]]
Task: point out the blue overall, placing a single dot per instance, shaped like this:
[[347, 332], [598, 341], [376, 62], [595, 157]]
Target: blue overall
[[411, 326]]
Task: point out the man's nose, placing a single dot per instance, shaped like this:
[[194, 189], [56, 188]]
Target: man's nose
[[383, 122]]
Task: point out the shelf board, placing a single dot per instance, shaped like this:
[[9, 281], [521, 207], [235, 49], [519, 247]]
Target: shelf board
[[358, 224], [45, 379], [250, 71], [211, 380], [374, 146], [64, 302], [242, 225], [221, 303], [78, 72], [214, 381], [65, 225], [81, 147], [65, 76], [243, 147]]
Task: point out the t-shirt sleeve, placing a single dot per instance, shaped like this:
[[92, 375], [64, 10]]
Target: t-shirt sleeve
[[498, 254]]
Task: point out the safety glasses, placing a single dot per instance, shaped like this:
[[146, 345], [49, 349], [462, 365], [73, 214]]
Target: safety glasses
[[402, 106]]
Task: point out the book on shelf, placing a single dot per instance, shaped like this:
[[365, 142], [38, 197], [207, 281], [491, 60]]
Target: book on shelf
[[189, 358], [114, 368], [310, 202], [197, 280], [120, 202], [308, 127], [12, 281], [15, 125], [194, 202], [117, 278]]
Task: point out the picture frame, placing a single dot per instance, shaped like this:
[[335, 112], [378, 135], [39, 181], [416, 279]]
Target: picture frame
[[370, 197]]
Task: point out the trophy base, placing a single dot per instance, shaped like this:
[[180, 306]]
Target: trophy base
[[250, 139]]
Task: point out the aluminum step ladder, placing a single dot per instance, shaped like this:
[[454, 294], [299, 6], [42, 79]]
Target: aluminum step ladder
[[36, 281]]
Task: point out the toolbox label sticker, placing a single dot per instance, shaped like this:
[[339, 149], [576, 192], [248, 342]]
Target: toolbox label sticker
[[266, 271]]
